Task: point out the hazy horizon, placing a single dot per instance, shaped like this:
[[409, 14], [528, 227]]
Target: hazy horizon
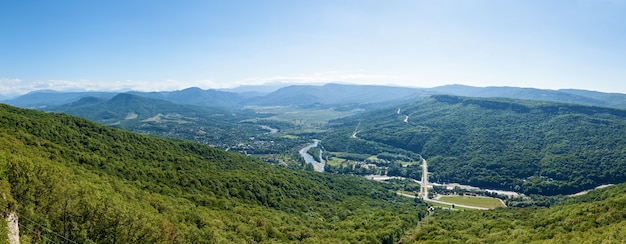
[[272, 87]]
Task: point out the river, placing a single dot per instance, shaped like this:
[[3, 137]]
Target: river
[[318, 166]]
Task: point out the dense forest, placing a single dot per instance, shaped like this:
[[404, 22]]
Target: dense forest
[[597, 217], [216, 126], [526, 146], [71, 179]]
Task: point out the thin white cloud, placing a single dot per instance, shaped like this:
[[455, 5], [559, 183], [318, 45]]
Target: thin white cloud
[[14, 87], [8, 86]]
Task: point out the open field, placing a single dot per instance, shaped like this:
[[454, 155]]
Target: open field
[[485, 202], [335, 161], [434, 204]]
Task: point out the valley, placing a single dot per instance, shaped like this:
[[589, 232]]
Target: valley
[[90, 183], [266, 163], [305, 122], [379, 143]]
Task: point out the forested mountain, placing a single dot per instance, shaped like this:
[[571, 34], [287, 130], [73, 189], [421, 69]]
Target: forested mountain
[[332, 94], [209, 125], [39, 99], [74, 179], [256, 90], [127, 106], [583, 97], [616, 100], [196, 96], [525, 146], [597, 217], [190, 96]]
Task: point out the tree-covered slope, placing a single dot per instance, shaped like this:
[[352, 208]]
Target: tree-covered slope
[[93, 184], [196, 96], [616, 100], [209, 125], [122, 106], [597, 217], [520, 93], [583, 97], [531, 147], [332, 94], [46, 98]]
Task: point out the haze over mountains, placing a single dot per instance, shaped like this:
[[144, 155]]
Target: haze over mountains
[[329, 94]]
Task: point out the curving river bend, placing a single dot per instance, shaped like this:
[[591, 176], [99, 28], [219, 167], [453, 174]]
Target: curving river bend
[[318, 166]]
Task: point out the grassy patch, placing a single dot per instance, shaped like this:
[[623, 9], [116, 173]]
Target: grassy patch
[[407, 163], [445, 206], [335, 161], [289, 137], [485, 202], [350, 156]]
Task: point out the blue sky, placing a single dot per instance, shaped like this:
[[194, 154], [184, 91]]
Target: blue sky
[[167, 45]]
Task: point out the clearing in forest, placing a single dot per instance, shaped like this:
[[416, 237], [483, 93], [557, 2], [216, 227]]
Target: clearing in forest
[[485, 202]]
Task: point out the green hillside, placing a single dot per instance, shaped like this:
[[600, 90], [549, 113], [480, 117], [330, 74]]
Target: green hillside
[[74, 179], [525, 146], [214, 126], [598, 217]]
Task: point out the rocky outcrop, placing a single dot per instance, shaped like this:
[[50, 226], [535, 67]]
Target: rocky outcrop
[[9, 205], [14, 228]]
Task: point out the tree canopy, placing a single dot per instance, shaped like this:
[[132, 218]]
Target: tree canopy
[[526, 146], [74, 179]]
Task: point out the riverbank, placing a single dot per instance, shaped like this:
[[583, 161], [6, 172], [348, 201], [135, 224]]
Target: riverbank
[[318, 166]]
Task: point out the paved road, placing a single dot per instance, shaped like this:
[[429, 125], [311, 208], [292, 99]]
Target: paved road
[[423, 188], [424, 184]]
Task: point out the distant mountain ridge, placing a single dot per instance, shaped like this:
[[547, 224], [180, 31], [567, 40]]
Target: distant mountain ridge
[[121, 105], [196, 96], [331, 93], [583, 97], [211, 125], [328, 94], [38, 99], [190, 96]]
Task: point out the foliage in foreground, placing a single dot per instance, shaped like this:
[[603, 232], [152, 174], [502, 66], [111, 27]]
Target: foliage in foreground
[[598, 217], [94, 184]]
